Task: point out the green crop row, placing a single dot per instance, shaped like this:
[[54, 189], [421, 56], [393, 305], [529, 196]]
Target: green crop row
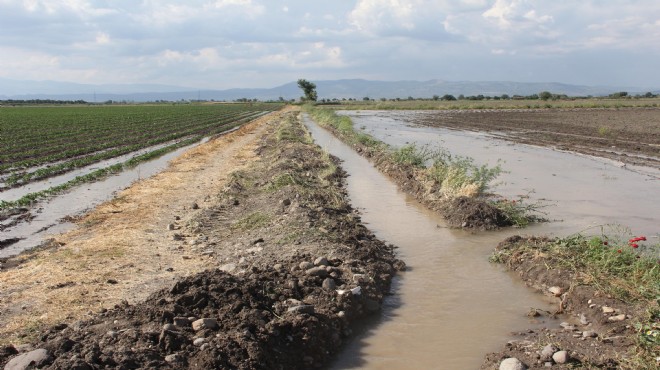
[[60, 139]]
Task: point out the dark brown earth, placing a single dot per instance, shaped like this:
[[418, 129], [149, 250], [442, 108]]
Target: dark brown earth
[[295, 270], [591, 335], [629, 135]]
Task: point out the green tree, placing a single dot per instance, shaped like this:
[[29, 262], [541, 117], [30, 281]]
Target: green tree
[[545, 95], [309, 89]]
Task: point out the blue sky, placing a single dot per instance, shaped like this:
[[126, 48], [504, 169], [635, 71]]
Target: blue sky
[[256, 43]]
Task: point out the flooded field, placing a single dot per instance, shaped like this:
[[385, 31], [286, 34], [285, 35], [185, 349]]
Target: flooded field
[[452, 306], [581, 192]]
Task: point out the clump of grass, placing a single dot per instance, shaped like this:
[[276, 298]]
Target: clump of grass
[[459, 176], [252, 221], [287, 132]]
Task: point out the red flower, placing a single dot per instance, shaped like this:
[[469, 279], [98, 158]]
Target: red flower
[[619, 251], [634, 245], [605, 242]]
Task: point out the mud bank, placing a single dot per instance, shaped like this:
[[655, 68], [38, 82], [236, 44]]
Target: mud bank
[[462, 211], [291, 268], [611, 316]]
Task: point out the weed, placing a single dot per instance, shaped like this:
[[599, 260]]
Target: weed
[[252, 221]]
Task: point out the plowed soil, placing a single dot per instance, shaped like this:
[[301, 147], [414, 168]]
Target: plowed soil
[[628, 135]]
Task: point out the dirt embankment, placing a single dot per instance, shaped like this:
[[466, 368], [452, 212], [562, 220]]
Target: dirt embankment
[[599, 332], [463, 211], [287, 269], [628, 135]]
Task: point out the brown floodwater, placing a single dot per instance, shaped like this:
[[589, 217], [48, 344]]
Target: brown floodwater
[[582, 193], [452, 306]]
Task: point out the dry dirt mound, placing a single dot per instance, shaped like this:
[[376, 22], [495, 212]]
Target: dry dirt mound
[[303, 270]]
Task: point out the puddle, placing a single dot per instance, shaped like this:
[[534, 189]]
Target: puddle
[[586, 192], [452, 306]]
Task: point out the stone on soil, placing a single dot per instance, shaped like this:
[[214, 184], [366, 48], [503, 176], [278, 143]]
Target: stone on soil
[[321, 261], [305, 308], [329, 284], [27, 360], [317, 271], [617, 317], [555, 290], [205, 323], [560, 357], [512, 363], [548, 351]]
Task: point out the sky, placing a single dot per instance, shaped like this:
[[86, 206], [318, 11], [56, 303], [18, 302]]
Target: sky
[[220, 44]]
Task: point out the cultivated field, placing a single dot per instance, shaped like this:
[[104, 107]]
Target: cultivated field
[[41, 142]]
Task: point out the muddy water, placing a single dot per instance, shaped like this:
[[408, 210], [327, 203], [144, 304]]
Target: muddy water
[[452, 306], [584, 193]]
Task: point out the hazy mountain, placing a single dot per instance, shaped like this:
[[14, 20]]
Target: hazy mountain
[[355, 88]]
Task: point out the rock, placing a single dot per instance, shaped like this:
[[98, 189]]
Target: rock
[[228, 267], [548, 351], [567, 326], [177, 237], [199, 341], [172, 358], [321, 261], [277, 266], [512, 363], [170, 327], [194, 205], [205, 323], [356, 291], [560, 357], [27, 360], [329, 284], [583, 319], [112, 281], [608, 309], [171, 227], [305, 308], [589, 334], [181, 322], [556, 291], [317, 271], [360, 278], [617, 318], [285, 202], [306, 265]]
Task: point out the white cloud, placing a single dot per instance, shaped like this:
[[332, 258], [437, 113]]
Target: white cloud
[[218, 41]]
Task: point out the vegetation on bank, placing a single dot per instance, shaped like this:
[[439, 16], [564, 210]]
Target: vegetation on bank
[[444, 176], [627, 270]]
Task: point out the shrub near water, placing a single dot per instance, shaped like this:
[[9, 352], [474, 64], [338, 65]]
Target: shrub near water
[[454, 175]]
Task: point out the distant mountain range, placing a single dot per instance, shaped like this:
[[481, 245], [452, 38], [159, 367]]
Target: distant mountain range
[[354, 88]]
